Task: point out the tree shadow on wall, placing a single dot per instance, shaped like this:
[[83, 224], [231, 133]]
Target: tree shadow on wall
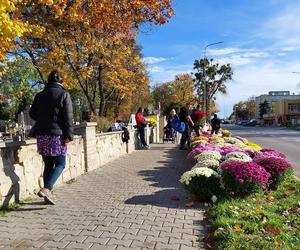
[[8, 158]]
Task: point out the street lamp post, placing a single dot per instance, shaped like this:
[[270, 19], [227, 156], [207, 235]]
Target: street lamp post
[[205, 96]]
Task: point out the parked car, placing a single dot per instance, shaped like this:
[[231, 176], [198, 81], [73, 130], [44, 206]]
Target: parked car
[[250, 123], [242, 122]]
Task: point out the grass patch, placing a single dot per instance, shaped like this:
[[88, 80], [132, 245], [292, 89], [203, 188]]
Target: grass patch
[[13, 206], [260, 221], [71, 181]]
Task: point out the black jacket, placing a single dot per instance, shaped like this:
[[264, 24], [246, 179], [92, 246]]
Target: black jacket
[[53, 112], [215, 122]]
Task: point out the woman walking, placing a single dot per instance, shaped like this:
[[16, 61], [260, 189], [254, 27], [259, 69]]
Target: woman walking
[[52, 110], [141, 124]]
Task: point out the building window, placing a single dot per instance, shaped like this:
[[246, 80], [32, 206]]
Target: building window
[[294, 108]]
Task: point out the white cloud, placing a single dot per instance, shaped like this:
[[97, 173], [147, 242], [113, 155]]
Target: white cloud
[[156, 69], [153, 60], [243, 58], [284, 28], [236, 60], [257, 79], [168, 72], [223, 51]]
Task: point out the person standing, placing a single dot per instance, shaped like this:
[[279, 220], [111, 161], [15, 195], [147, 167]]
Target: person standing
[[53, 112], [185, 117], [168, 130], [215, 124], [198, 117], [141, 124]]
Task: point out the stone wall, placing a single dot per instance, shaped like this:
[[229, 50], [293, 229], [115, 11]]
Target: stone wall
[[109, 146], [21, 168]]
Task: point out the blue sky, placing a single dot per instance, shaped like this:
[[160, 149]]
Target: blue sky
[[261, 41]]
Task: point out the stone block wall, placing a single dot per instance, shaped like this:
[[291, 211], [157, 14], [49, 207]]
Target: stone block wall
[[21, 169], [109, 146]]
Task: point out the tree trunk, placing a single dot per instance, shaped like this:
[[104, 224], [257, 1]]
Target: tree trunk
[[101, 92]]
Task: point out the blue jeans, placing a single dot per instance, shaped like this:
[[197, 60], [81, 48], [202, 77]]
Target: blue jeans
[[141, 130], [54, 165]]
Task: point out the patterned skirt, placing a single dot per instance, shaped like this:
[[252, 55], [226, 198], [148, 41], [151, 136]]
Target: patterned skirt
[[51, 145]]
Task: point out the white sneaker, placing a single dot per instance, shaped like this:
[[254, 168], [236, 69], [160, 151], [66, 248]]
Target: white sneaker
[[147, 147]]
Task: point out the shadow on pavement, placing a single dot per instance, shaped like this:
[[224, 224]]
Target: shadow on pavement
[[165, 175]]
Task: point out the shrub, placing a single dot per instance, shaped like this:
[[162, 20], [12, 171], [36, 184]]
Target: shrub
[[209, 155], [103, 124], [243, 177], [225, 132], [237, 156], [249, 151], [233, 140], [272, 152], [212, 164], [253, 146], [194, 144], [242, 139], [229, 149], [200, 148], [275, 166], [202, 182]]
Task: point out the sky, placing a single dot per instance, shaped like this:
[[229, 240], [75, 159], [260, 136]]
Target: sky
[[261, 40]]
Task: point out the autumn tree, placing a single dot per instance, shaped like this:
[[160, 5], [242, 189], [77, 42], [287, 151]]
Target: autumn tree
[[211, 77], [245, 110], [163, 93], [175, 93], [92, 42]]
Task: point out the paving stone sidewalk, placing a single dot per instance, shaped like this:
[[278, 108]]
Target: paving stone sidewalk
[[134, 202]]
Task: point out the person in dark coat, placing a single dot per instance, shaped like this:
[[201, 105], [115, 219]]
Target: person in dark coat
[[215, 124], [53, 112], [184, 116]]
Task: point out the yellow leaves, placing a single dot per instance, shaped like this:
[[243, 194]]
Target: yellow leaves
[[46, 2], [270, 199], [12, 27], [277, 243], [237, 228]]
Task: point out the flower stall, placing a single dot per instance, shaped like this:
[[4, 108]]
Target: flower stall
[[231, 165], [253, 199]]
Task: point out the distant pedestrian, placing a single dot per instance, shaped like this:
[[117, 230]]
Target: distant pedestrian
[[184, 116], [198, 117], [141, 124], [52, 110], [215, 124], [168, 130]]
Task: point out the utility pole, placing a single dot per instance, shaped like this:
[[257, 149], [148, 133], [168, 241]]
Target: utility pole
[[205, 88]]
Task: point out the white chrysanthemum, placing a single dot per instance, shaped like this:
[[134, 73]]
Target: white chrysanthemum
[[214, 164], [207, 172], [209, 155], [238, 156], [234, 141]]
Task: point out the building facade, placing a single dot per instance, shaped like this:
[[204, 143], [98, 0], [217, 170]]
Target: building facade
[[277, 101], [287, 112]]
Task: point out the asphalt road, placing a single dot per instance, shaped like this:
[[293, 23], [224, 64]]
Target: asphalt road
[[284, 140]]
